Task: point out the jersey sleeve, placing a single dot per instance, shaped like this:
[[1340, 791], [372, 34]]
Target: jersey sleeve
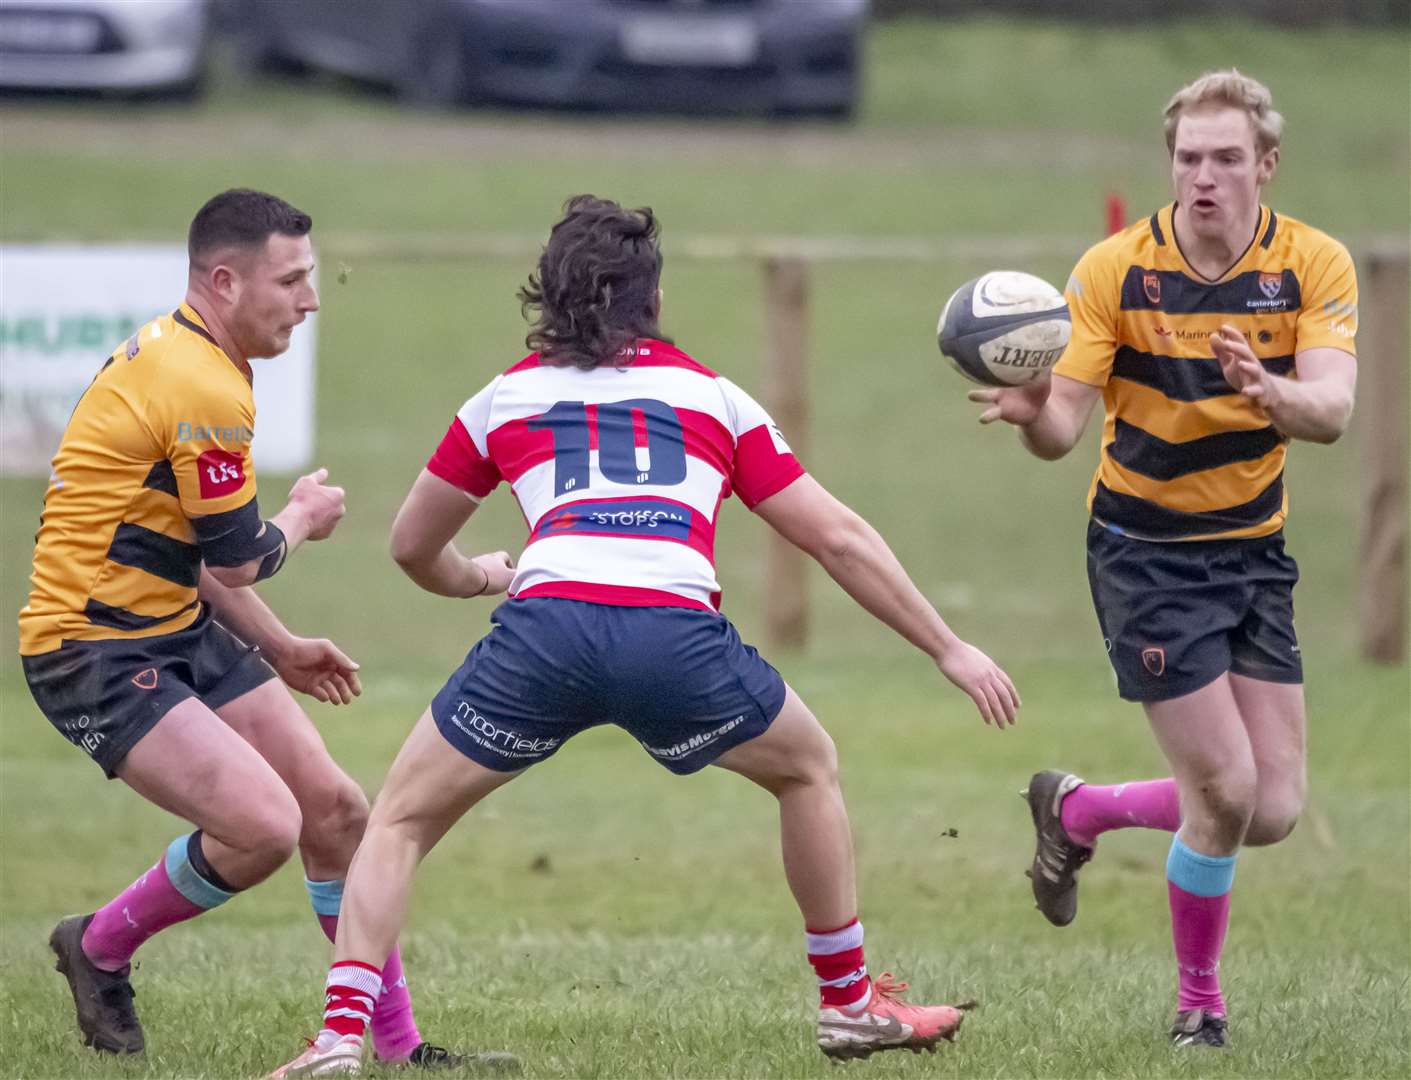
[[463, 459], [1328, 317], [763, 464], [206, 431], [1093, 295]]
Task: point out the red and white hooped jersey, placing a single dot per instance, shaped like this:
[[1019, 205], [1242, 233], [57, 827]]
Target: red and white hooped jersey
[[619, 471]]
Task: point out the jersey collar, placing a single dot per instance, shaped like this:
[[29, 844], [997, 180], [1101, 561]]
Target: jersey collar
[[186, 316], [1163, 229]]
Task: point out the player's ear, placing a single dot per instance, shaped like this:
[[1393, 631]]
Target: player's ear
[[225, 282], [1268, 166]]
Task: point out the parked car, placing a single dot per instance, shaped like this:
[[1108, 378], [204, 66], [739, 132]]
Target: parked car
[[773, 56], [133, 46]]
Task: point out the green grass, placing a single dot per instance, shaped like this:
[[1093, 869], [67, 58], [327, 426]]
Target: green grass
[[660, 940]]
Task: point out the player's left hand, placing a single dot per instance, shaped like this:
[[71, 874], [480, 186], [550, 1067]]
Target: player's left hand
[[1241, 368], [317, 667]]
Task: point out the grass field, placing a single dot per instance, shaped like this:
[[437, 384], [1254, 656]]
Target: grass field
[[599, 917]]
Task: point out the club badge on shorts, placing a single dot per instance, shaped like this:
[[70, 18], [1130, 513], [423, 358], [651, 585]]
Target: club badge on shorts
[[1154, 660]]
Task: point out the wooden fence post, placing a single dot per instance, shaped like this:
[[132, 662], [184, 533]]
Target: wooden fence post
[[786, 392], [1383, 401]]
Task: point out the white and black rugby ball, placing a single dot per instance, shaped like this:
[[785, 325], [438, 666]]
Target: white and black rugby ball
[[1005, 328]]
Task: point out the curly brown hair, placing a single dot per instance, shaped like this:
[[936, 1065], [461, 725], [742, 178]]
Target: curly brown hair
[[595, 290]]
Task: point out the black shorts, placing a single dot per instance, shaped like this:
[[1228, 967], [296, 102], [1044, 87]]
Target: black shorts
[[1176, 616], [680, 681], [105, 695]]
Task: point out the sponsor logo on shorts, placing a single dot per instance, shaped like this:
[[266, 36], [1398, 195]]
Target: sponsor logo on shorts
[[145, 680], [221, 473], [78, 733], [500, 740], [1154, 660], [694, 743]]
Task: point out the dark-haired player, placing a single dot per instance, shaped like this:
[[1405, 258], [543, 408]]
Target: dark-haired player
[[620, 449], [143, 643], [1214, 333]]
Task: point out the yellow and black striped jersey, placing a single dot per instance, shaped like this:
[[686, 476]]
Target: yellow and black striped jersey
[[158, 444], [1184, 456]]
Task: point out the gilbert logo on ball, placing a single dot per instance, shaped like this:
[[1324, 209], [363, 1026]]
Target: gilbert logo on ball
[[1005, 328]]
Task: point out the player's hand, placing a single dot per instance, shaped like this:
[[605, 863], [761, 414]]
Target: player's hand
[[499, 572], [1019, 405], [1241, 368], [322, 504], [317, 667], [984, 680]]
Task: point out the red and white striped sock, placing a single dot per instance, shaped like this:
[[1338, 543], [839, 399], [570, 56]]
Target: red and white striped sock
[[350, 996], [836, 956]]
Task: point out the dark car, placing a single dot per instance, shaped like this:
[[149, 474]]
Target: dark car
[[769, 56]]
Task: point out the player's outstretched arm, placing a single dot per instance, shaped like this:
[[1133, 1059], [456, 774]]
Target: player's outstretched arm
[[859, 560], [1051, 414], [313, 666], [422, 535]]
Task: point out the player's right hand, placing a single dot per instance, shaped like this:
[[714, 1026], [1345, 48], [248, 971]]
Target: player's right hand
[[985, 681], [1013, 404], [322, 504], [499, 572]]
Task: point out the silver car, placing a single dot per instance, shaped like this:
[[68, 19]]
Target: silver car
[[133, 46]]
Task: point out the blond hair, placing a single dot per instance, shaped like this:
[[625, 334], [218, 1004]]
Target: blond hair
[[1237, 91]]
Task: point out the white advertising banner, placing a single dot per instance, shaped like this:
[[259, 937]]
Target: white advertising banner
[[64, 309]]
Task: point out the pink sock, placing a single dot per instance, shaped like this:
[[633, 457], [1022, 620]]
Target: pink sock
[[1090, 810], [149, 904], [1198, 928], [394, 1030]]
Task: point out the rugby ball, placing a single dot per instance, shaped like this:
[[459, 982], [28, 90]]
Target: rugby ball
[[1005, 328]]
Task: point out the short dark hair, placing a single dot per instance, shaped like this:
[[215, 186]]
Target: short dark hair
[[244, 218], [596, 286]]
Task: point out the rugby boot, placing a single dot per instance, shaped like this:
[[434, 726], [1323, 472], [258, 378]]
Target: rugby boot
[[426, 1056], [1196, 1027], [1057, 859], [102, 999], [343, 1055], [887, 1023]]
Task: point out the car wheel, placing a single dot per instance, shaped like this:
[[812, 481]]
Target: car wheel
[[435, 74]]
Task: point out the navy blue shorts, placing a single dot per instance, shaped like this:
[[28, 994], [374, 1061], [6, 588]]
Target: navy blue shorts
[[680, 681], [1176, 616]]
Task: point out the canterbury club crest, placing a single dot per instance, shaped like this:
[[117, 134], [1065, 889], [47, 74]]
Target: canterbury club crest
[[1270, 285], [1151, 285]]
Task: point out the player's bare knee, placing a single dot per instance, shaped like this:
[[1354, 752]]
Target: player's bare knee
[[1226, 799], [334, 820], [272, 833], [1274, 819]]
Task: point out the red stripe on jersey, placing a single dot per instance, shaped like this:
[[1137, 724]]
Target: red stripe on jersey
[[617, 595], [760, 469], [658, 354], [530, 361], [458, 462], [708, 439], [516, 449]]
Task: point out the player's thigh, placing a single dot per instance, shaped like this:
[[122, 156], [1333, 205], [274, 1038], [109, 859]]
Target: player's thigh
[[1275, 720], [793, 749], [272, 721], [195, 766], [1204, 739], [1166, 611], [432, 785]]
